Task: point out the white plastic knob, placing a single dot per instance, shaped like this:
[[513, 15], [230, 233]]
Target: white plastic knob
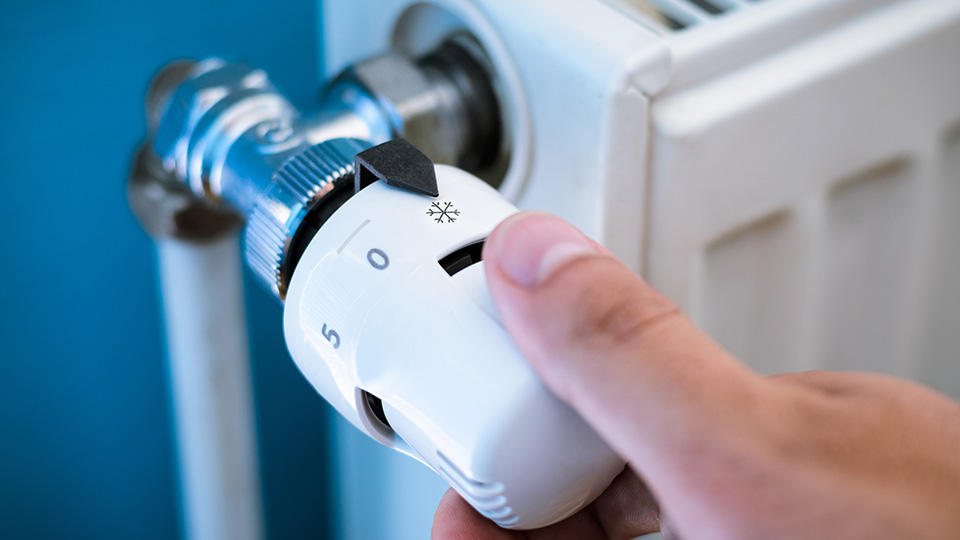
[[371, 318]]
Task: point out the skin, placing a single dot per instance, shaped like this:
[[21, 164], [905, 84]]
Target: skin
[[720, 450]]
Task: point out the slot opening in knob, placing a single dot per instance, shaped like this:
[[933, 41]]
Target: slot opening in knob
[[376, 408], [370, 408], [462, 258]]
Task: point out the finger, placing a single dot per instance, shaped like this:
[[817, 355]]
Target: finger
[[626, 509], [617, 351], [852, 384], [829, 382]]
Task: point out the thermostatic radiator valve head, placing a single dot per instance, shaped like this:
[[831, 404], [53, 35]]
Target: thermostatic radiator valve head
[[363, 221]]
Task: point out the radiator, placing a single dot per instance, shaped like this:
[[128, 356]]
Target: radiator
[[787, 171]]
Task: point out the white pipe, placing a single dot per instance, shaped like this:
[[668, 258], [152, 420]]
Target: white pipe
[[210, 382]]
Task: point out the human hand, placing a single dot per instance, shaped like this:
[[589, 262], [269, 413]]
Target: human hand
[[723, 452]]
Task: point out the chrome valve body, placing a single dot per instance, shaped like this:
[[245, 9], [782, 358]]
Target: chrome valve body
[[224, 130]]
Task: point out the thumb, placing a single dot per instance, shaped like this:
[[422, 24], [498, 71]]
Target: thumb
[[619, 353]]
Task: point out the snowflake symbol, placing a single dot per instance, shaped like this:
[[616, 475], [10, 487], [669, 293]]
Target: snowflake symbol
[[439, 213]]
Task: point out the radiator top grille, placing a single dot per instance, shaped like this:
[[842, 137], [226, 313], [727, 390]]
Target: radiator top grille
[[678, 15]]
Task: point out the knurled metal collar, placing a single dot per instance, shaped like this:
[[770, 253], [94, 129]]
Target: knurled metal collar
[[296, 186]]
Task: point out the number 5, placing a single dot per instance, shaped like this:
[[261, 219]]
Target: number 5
[[332, 336]]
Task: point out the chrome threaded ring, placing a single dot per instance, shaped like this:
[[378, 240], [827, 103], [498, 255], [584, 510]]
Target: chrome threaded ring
[[296, 186]]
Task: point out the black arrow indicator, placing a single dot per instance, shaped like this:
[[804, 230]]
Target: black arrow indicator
[[399, 164]]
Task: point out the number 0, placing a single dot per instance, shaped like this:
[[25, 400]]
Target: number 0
[[332, 336], [378, 259]]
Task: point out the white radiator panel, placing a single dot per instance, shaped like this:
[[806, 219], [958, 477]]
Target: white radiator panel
[[804, 209]]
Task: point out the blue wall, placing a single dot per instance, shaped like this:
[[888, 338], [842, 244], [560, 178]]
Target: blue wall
[[86, 442]]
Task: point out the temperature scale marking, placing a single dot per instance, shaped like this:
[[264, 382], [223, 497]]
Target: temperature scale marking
[[439, 213], [352, 235]]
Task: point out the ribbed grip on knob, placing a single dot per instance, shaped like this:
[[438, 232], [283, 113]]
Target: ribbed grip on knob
[[296, 186]]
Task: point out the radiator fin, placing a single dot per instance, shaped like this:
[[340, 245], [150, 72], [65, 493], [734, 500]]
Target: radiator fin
[[870, 246], [940, 338], [676, 15], [753, 292]]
